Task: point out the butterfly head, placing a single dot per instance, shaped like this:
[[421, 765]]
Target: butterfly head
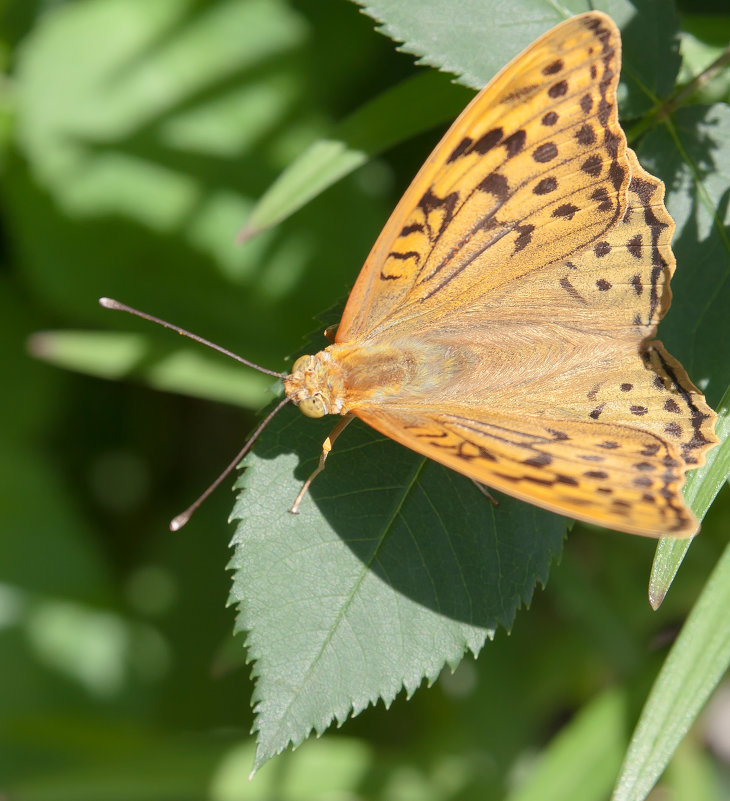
[[312, 385]]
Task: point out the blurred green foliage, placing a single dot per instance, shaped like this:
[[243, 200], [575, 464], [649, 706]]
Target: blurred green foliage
[[135, 138]]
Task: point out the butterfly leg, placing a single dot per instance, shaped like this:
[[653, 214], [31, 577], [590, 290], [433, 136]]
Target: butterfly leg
[[326, 448], [485, 492]]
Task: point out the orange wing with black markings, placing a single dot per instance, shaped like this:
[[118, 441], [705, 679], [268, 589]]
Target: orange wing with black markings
[[533, 171]]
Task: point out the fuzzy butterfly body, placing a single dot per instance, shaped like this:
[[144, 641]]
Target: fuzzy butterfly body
[[502, 322]]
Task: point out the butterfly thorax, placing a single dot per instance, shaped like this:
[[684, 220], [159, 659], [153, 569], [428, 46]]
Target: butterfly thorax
[[346, 376]]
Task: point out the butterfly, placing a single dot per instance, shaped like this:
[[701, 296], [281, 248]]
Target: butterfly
[[503, 322]]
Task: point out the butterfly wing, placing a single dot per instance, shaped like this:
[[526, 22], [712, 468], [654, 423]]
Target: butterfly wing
[[618, 284], [602, 472], [532, 172]]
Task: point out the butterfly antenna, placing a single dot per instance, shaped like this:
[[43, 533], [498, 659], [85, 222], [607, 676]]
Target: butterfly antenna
[[180, 520], [109, 303]]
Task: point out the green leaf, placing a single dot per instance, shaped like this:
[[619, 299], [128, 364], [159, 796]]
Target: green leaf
[[475, 39], [695, 665], [394, 567], [700, 490], [390, 118], [650, 53], [400, 112], [472, 40]]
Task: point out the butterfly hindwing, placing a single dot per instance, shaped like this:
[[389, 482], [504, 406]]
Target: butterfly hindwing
[[600, 472]]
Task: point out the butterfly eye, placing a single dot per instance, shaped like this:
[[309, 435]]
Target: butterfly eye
[[312, 406], [301, 364]]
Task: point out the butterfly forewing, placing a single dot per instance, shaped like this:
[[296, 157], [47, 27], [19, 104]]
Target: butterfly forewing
[[619, 284], [532, 172]]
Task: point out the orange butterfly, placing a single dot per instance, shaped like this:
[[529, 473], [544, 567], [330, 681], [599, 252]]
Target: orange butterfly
[[502, 322]]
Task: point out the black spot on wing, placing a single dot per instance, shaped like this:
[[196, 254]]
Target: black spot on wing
[[495, 184], [412, 228], [644, 189], [585, 135], [485, 143], [430, 203], [460, 149], [539, 460], [599, 474], [553, 68], [515, 143], [634, 246], [545, 186], [558, 89], [600, 195], [592, 165], [604, 107], [524, 236], [545, 152], [572, 291], [565, 211], [616, 174], [409, 254]]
